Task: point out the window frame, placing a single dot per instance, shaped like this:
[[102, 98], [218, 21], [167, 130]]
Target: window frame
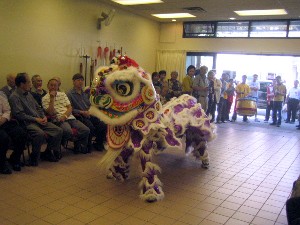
[[250, 22]]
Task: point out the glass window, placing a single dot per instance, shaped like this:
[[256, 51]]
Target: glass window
[[232, 29], [268, 29], [294, 29], [202, 29]]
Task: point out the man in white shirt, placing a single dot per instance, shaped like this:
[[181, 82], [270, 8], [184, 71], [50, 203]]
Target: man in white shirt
[[58, 106], [254, 87], [292, 101]]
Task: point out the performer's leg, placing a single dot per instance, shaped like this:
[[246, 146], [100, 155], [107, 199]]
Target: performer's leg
[[150, 185], [120, 169]]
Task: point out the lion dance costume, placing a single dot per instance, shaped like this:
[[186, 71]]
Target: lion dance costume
[[123, 97]]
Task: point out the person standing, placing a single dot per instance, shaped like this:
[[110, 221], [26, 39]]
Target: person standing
[[187, 83], [222, 105], [214, 91], [242, 90], [270, 100], [29, 113], [164, 83], [279, 95], [174, 86], [254, 87], [292, 101], [200, 88], [230, 95]]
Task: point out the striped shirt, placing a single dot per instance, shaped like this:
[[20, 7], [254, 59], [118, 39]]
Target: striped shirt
[[61, 102]]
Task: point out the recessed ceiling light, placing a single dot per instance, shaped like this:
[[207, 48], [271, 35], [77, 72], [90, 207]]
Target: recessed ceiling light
[[267, 12], [173, 20], [137, 2], [232, 18], [173, 15]]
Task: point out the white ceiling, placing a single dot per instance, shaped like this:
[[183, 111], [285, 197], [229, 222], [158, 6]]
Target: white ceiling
[[214, 9]]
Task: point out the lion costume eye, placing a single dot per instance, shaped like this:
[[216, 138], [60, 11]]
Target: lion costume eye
[[124, 88]]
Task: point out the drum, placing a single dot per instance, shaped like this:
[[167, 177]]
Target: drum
[[246, 107]]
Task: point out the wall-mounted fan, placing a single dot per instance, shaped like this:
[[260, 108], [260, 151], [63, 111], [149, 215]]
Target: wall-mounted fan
[[106, 18]]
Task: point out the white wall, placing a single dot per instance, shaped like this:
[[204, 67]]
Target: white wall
[[171, 39], [45, 37]]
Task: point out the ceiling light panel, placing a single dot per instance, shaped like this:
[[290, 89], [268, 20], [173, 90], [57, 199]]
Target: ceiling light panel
[[136, 2], [173, 15], [267, 12]]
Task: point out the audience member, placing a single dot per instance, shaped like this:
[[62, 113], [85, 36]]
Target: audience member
[[222, 105], [155, 80], [270, 100], [80, 104], [292, 101], [163, 81], [279, 95], [58, 107], [37, 90], [254, 87], [230, 91], [59, 83], [200, 88], [10, 130], [214, 91], [174, 86], [11, 86], [29, 113], [187, 83], [242, 90]]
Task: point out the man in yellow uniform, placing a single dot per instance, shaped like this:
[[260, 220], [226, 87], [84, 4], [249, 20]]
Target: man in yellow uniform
[[279, 96], [242, 90], [187, 83]]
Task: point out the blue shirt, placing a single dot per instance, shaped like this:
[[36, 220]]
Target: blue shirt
[[79, 101], [24, 107]]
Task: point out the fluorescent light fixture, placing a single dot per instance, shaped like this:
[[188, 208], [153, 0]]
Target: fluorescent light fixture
[[174, 20], [137, 2], [232, 18], [266, 12], [173, 15]]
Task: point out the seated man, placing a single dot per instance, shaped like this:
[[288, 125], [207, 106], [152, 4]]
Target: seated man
[[37, 90], [80, 103], [10, 87], [58, 106], [10, 130], [29, 113]]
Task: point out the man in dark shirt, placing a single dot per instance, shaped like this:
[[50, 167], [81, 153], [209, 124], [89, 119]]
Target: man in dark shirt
[[81, 104], [37, 90], [10, 131], [28, 112], [10, 87]]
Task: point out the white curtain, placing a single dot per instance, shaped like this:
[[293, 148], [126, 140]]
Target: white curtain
[[171, 60]]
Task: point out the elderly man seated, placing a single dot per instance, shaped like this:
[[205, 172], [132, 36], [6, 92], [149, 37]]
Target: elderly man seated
[[80, 103], [58, 106], [10, 130]]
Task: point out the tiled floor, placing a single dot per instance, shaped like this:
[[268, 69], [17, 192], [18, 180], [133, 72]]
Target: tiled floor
[[252, 170]]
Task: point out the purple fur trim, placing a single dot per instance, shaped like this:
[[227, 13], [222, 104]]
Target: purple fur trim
[[125, 154], [178, 128], [170, 138], [197, 113], [136, 138], [191, 103], [156, 189], [178, 108]]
